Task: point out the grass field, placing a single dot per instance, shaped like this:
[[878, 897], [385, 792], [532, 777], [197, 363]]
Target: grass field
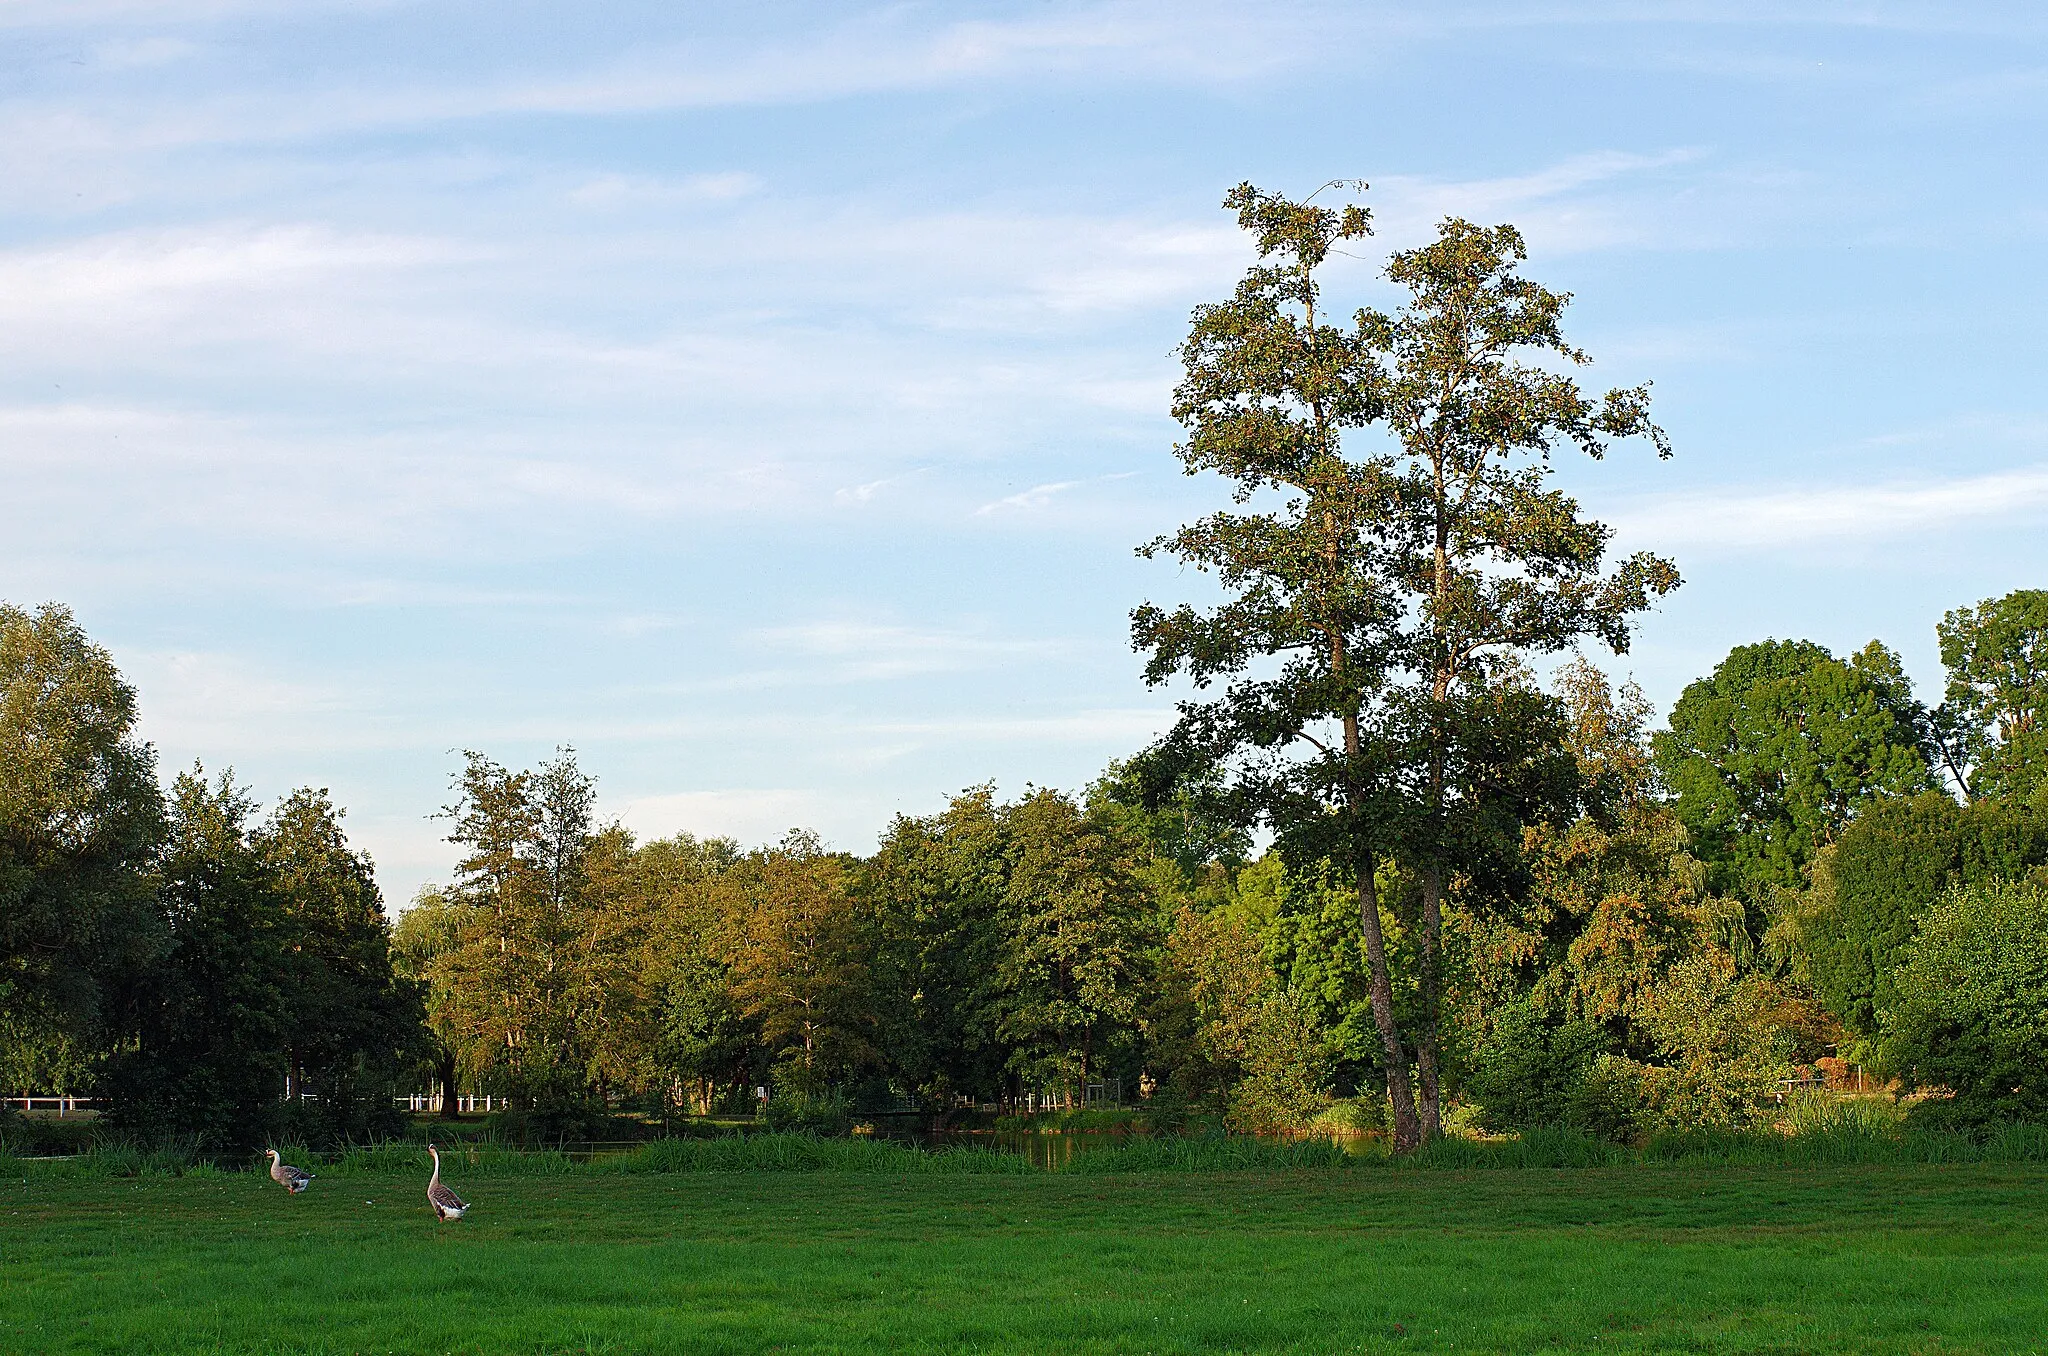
[[1906, 1258]]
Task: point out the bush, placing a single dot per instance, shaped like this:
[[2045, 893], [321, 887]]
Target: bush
[[1969, 1010], [1353, 1116], [560, 1123], [828, 1115], [1608, 1101], [1892, 863], [1528, 1073]]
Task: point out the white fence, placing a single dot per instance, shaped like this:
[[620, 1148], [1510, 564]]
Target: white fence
[[466, 1103], [62, 1107]]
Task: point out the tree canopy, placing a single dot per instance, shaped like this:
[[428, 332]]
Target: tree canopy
[[1993, 719], [1381, 596], [1771, 754]]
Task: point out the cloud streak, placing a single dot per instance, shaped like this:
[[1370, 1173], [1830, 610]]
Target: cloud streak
[[1796, 518]]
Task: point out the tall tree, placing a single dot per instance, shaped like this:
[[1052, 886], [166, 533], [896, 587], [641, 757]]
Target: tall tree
[[210, 1022], [1992, 726], [934, 891], [1077, 928], [354, 1023], [1773, 753], [513, 988], [425, 938], [1378, 611], [799, 963], [1892, 863], [80, 821]]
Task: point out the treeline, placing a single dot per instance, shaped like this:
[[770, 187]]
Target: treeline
[[1805, 863], [1770, 882], [168, 951]]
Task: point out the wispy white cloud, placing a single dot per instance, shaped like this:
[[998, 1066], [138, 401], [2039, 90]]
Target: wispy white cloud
[[1124, 727], [100, 271], [1594, 201], [862, 493], [618, 190], [1038, 496], [866, 651], [1791, 519]]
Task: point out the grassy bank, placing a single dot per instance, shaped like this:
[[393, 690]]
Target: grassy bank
[[1816, 1259], [1842, 1144]]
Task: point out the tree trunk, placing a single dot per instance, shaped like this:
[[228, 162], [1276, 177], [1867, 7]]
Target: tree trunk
[[445, 1070], [1407, 1129], [1430, 977]]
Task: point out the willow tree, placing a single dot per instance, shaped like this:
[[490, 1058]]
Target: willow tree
[[1395, 554]]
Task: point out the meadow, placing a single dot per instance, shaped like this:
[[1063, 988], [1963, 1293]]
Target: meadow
[[1327, 1255]]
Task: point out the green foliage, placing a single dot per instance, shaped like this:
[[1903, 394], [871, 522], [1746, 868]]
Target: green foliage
[[1969, 1008], [934, 891], [1379, 600], [704, 1042], [1233, 1037], [1774, 752], [800, 959], [353, 1026], [211, 1020], [80, 819], [829, 1114], [509, 996], [1993, 724], [1352, 1116], [1076, 926], [1530, 1072], [1012, 944], [1892, 862], [1725, 1052], [278, 980]]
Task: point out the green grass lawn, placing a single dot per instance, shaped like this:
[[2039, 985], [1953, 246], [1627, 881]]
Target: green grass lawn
[[1876, 1259]]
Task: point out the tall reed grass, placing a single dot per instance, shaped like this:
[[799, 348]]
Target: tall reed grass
[[1842, 1133]]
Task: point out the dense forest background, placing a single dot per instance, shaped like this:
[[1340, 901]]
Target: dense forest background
[[1379, 875]]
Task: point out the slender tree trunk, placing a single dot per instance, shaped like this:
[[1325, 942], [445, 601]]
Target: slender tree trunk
[[1407, 1129], [1427, 1062]]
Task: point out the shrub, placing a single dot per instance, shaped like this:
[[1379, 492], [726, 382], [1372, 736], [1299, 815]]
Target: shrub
[[1526, 1074], [828, 1115], [1353, 1116], [1892, 863], [1969, 1009], [1608, 1101], [1534, 1148]]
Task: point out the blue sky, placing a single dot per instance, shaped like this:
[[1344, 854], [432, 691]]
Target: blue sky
[[768, 405]]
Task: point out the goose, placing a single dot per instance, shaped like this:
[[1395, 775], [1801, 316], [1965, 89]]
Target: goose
[[285, 1175], [447, 1205]]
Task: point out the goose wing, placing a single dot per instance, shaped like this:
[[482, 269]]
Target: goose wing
[[445, 1199]]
